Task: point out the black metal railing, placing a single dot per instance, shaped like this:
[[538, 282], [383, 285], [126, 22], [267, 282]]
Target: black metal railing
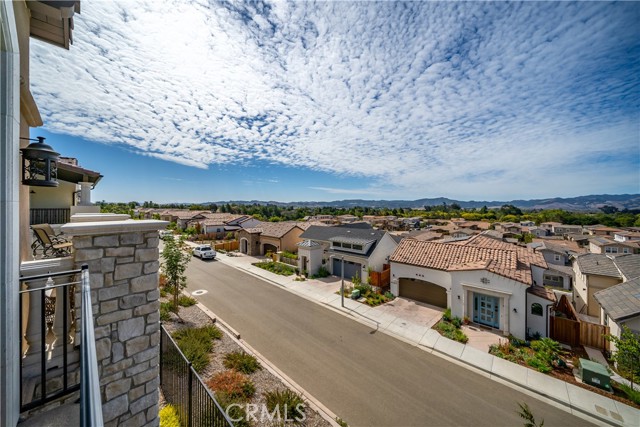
[[62, 384], [183, 388], [39, 299], [50, 216]]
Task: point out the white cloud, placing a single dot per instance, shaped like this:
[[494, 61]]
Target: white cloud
[[429, 98]]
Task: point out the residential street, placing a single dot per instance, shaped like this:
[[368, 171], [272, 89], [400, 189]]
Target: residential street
[[366, 378]]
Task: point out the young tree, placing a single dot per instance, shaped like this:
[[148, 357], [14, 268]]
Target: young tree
[[175, 258], [627, 355]]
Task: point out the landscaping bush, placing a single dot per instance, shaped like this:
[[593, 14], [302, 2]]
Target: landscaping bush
[[197, 343], [185, 301], [448, 330], [276, 267], [290, 404], [457, 322], [632, 395], [538, 363], [169, 417], [241, 362], [165, 309], [290, 255], [232, 384], [389, 296], [446, 316], [322, 272], [237, 413], [365, 290]]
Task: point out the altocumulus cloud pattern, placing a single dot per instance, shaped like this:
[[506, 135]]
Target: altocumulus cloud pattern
[[406, 94]]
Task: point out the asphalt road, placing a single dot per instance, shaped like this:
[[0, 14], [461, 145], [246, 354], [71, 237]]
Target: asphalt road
[[365, 377]]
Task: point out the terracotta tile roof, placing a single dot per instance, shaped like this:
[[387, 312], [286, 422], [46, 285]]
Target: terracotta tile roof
[[220, 218], [477, 253], [542, 292]]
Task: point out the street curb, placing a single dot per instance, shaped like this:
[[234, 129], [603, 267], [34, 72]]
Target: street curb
[[360, 318], [314, 403]]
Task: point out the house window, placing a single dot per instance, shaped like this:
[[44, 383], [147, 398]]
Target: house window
[[556, 279], [536, 309], [346, 245], [625, 250], [357, 247], [556, 257], [611, 250], [337, 244]]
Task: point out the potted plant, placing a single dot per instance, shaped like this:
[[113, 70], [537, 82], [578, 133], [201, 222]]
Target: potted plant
[[466, 320]]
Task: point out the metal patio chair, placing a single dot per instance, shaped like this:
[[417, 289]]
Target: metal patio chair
[[48, 244]]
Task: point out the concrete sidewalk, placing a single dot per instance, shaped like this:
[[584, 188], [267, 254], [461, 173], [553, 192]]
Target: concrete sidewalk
[[574, 399]]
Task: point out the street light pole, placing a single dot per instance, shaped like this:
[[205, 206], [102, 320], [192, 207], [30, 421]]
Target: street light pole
[[342, 283]]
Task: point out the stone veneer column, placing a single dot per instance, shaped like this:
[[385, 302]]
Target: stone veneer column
[[123, 266]]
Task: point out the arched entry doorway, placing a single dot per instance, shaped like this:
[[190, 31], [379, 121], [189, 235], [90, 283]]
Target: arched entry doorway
[[244, 245], [268, 247]]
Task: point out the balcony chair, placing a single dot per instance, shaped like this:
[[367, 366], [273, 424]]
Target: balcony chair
[[48, 243]]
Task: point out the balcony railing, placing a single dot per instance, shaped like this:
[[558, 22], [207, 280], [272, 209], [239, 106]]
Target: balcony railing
[[51, 366], [50, 216]]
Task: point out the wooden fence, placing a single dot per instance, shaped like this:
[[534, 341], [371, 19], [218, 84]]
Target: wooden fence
[[381, 279], [575, 332], [227, 246]]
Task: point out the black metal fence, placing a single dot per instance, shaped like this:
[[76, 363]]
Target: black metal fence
[[47, 388], [50, 216], [183, 388]]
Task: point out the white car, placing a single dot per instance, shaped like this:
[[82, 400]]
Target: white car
[[204, 252]]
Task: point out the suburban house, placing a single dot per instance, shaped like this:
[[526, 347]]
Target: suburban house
[[604, 245], [558, 254], [626, 236], [602, 230], [536, 231], [113, 262], [222, 223], [462, 233], [508, 227], [562, 229], [548, 226], [356, 249], [270, 237], [481, 278], [620, 306], [182, 217], [426, 235], [347, 219], [55, 205], [596, 272]]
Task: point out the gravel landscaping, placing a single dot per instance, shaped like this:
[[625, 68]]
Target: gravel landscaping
[[263, 379]]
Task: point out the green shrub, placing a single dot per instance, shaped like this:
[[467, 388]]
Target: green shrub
[[241, 362], [169, 417], [538, 363], [632, 395], [197, 343], [290, 404], [364, 289], [341, 422], [448, 330], [322, 272], [236, 413], [457, 322], [185, 301], [165, 309], [446, 316], [290, 255], [388, 295], [276, 267]]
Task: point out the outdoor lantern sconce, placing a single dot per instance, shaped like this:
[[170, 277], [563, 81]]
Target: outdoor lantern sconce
[[515, 310], [39, 164]]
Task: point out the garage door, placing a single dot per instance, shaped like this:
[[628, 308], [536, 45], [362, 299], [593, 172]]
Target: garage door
[[350, 269], [422, 291]]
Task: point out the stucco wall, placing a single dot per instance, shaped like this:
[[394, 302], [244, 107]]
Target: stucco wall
[[382, 252], [595, 284], [53, 197], [290, 240], [537, 323]]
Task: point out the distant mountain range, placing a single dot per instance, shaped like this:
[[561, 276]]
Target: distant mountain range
[[581, 203]]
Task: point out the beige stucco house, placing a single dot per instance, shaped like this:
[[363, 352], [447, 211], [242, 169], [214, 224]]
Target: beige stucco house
[[270, 237], [481, 278]]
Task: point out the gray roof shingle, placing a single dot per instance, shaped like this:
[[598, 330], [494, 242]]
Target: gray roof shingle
[[629, 265], [621, 301], [598, 264]]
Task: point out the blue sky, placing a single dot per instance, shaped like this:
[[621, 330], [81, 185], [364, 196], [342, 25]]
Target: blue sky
[[333, 100]]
